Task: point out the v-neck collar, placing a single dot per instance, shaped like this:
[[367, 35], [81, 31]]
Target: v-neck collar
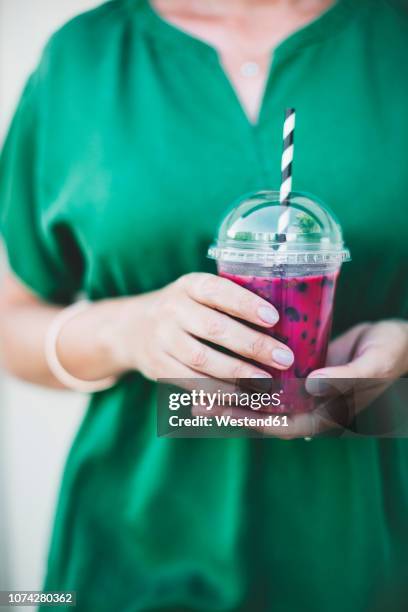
[[333, 18], [324, 26]]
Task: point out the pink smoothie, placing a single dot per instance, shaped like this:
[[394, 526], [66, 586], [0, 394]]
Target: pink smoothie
[[305, 306]]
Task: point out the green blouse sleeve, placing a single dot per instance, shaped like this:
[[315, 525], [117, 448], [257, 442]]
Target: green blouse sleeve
[[37, 251]]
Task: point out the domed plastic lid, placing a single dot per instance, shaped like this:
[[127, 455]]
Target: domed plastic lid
[[259, 229]]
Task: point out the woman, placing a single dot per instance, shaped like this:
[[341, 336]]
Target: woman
[[140, 125]]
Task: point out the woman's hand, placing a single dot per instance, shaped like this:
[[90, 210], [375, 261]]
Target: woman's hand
[[369, 350], [164, 334], [361, 364]]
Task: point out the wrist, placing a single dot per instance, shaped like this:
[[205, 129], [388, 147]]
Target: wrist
[[112, 334], [54, 341], [122, 334]]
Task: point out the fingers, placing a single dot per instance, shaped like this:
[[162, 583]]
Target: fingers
[[204, 359], [369, 361], [304, 425], [341, 349], [369, 364], [226, 296], [186, 377], [309, 425], [339, 380], [364, 377], [224, 331], [174, 369]]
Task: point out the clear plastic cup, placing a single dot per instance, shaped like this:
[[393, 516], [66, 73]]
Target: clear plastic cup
[[290, 255]]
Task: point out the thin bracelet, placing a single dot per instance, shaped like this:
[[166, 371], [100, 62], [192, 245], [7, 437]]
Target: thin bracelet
[[53, 362]]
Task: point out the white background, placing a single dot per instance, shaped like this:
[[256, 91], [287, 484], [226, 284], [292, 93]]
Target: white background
[[36, 426]]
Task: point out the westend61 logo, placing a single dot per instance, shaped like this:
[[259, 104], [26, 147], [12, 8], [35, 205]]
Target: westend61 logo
[[224, 409]]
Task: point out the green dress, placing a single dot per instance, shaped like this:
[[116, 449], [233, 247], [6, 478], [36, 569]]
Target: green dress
[[127, 146]]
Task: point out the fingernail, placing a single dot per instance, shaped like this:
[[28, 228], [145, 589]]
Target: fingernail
[[316, 385], [283, 357], [268, 315]]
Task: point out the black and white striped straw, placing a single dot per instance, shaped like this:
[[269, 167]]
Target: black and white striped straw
[[287, 156]]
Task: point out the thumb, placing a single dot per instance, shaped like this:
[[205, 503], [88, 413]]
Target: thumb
[[366, 365]]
